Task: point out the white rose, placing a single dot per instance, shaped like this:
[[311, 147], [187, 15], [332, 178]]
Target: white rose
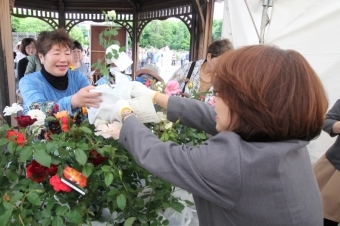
[[39, 115], [112, 14], [99, 121], [162, 116], [168, 126], [12, 110]]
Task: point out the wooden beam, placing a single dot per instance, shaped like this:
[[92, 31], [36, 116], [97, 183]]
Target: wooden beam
[[7, 84], [133, 3], [62, 19], [198, 8], [208, 26]]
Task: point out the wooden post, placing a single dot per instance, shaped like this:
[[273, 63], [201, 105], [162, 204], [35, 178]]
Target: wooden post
[[7, 84], [135, 44], [62, 22]]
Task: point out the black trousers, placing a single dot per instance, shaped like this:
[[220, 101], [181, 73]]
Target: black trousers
[[327, 222]]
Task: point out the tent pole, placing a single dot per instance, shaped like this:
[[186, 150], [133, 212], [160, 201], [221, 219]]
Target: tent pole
[[265, 19]]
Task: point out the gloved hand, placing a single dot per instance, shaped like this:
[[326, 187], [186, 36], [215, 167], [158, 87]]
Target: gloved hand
[[138, 89], [119, 107]]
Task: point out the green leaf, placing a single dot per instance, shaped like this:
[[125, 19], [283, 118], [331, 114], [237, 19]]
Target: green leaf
[[3, 141], [7, 205], [87, 170], [42, 157], [121, 201], [51, 146], [61, 210], [3, 161], [5, 217], [50, 205], [108, 178], [12, 176], [81, 156], [34, 199], [38, 215], [11, 147], [201, 136], [142, 218], [74, 217], [16, 197], [129, 221], [83, 146], [57, 221], [85, 129], [177, 206], [46, 213], [46, 222], [25, 154], [165, 222]]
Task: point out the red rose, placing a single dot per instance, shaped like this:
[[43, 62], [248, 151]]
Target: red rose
[[52, 170], [95, 158], [16, 137], [58, 185], [25, 120], [64, 125], [36, 171]]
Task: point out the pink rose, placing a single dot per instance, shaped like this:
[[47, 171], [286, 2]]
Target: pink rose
[[172, 88]]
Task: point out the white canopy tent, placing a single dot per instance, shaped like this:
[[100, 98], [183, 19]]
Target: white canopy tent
[[310, 27]]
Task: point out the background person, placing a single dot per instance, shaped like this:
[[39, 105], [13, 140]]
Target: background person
[[28, 48], [200, 72], [55, 83], [256, 169], [326, 169]]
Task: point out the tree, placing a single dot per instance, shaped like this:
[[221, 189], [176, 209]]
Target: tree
[[33, 25], [217, 30], [160, 33], [15, 21], [77, 34]]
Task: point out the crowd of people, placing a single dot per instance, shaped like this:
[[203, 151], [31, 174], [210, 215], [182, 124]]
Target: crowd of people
[[268, 103]]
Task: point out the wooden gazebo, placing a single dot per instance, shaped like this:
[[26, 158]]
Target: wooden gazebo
[[133, 15]]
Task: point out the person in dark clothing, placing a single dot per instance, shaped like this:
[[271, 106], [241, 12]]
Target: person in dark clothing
[[28, 47]]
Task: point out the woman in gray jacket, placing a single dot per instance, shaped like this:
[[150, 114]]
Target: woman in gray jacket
[[256, 169]]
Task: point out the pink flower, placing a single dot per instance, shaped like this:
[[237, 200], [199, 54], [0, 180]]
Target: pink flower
[[109, 130], [172, 88], [211, 101]]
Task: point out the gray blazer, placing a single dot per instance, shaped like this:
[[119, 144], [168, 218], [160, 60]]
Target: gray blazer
[[233, 182], [332, 116]]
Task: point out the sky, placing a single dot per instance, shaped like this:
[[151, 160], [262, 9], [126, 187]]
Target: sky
[[218, 10]]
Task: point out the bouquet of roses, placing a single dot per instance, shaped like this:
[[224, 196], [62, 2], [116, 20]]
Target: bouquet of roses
[[58, 169]]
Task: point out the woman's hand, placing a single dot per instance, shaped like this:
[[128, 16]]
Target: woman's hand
[[85, 98]]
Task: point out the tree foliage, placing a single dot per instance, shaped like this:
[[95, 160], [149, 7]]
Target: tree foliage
[[160, 33], [77, 34], [217, 30], [32, 25]]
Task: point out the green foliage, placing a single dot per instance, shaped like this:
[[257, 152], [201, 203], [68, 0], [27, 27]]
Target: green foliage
[[77, 34], [32, 25], [217, 30], [117, 184], [159, 33]]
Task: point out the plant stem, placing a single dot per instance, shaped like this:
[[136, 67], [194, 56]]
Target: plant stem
[[21, 220]]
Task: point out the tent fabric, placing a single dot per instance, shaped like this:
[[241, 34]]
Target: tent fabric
[[310, 27]]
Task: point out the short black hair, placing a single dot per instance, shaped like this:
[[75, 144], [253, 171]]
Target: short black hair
[[77, 45]]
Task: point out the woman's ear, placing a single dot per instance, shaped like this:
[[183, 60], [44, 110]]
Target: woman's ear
[[41, 58], [209, 56]]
